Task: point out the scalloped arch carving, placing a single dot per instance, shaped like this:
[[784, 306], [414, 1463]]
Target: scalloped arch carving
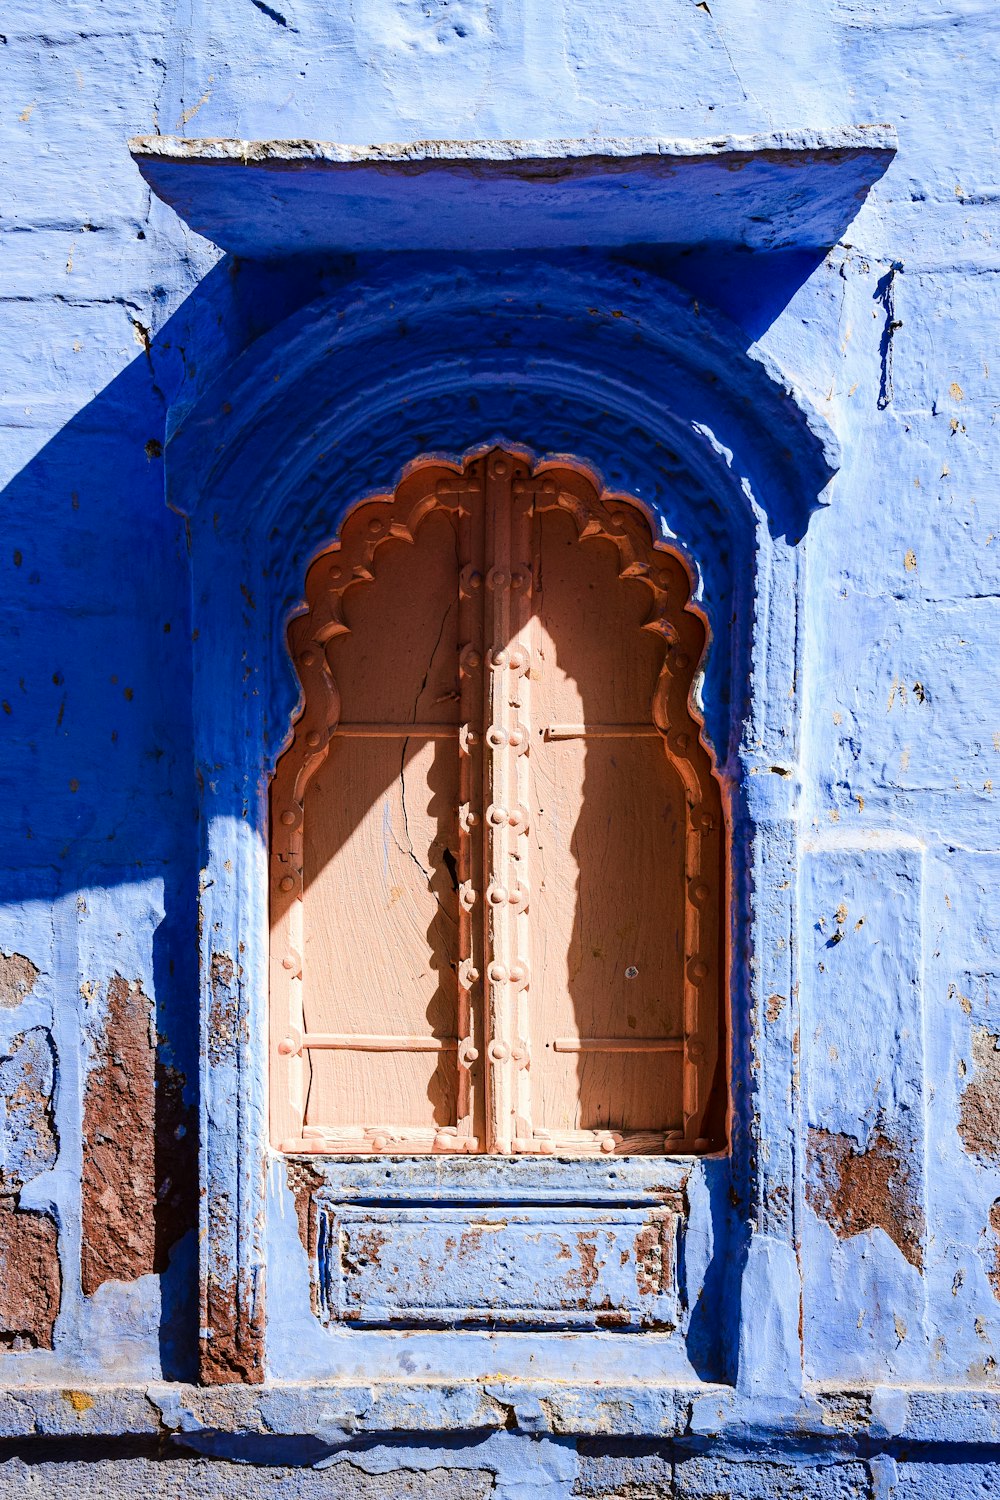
[[514, 1036]]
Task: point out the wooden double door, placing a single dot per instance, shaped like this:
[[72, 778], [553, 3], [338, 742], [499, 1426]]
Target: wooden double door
[[497, 845]]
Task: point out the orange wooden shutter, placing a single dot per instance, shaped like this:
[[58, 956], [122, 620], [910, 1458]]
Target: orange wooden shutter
[[496, 901]]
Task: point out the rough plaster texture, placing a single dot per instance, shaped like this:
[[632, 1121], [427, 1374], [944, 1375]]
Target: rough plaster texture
[[843, 1324]]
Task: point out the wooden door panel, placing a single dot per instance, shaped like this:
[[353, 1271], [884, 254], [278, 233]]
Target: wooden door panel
[[609, 850], [497, 857], [398, 661], [609, 826], [595, 663], [632, 1094], [381, 924]]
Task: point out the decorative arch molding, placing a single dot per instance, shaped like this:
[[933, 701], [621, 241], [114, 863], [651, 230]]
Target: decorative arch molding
[[594, 366], [657, 394]]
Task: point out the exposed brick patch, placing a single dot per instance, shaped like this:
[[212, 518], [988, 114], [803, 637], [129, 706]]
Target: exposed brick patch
[[140, 1149], [304, 1180], [223, 1012], [17, 979], [855, 1190], [30, 1278], [979, 1112], [233, 1351]]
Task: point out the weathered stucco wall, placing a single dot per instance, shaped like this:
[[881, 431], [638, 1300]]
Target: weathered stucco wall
[[858, 1355]]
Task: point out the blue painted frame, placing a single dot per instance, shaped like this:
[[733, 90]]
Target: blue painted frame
[[663, 400]]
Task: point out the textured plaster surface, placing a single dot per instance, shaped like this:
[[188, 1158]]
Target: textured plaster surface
[[848, 1345]]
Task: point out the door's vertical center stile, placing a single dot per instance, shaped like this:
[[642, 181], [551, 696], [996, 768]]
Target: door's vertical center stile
[[471, 854]]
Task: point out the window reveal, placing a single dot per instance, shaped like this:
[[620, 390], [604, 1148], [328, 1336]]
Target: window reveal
[[496, 901]]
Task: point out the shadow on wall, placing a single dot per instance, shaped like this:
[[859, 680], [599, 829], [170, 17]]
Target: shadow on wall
[[98, 778], [100, 875]]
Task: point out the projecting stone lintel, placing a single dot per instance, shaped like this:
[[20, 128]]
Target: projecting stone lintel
[[269, 199]]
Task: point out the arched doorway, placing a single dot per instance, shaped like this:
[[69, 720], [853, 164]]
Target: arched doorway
[[497, 843]]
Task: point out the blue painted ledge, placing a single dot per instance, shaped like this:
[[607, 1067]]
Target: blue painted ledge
[[840, 1422], [269, 199]]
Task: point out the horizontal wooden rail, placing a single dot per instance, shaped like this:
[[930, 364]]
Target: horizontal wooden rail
[[347, 1041], [618, 1044], [601, 732]]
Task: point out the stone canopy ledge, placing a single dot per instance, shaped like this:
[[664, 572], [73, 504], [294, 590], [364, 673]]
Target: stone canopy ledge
[[269, 199]]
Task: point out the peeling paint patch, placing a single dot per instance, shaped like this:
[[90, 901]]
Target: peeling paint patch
[[27, 1077], [234, 1350], [979, 1112], [304, 1182], [140, 1149], [856, 1190], [18, 976], [78, 1400], [223, 1014], [30, 1279], [993, 1270]]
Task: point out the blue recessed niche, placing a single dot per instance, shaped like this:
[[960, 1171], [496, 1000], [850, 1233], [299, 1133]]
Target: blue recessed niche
[[536, 296]]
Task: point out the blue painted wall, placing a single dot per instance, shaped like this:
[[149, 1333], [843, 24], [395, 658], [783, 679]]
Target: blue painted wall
[[118, 321]]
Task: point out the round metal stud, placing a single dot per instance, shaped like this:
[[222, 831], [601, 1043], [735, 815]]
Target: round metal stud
[[497, 895], [497, 738], [497, 973], [607, 1144], [498, 1052], [286, 883], [288, 818], [496, 816], [379, 1142], [307, 658], [313, 738], [376, 527], [699, 969], [700, 890]]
